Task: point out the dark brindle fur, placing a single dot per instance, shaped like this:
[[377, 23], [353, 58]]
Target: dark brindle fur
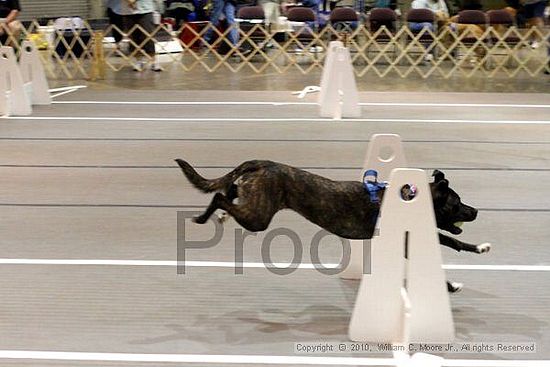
[[343, 208]]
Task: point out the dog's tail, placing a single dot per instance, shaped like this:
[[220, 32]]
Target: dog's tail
[[217, 184]]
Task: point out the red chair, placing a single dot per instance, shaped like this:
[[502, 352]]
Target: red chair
[[252, 23], [251, 13], [501, 21], [305, 34], [472, 38], [345, 18], [307, 16], [472, 17], [502, 42], [379, 18], [425, 38]]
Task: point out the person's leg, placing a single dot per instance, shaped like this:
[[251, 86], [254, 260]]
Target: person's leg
[[229, 11], [146, 21], [535, 18], [429, 56], [135, 25], [415, 27], [181, 15], [116, 21], [215, 14], [139, 39], [129, 22], [429, 26], [271, 12]]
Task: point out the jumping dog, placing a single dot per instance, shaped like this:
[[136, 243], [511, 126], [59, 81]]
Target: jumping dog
[[344, 208]]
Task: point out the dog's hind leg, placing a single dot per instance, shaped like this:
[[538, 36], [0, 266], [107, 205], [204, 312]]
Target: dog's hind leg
[[463, 246], [252, 220], [212, 207], [232, 193]]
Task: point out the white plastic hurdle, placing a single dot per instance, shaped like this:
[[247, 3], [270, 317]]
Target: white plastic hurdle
[[338, 95], [4, 103], [13, 99], [22, 85], [404, 298], [384, 153], [33, 74]]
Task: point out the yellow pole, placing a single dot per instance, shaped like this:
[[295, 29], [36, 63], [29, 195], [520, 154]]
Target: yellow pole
[[98, 62]]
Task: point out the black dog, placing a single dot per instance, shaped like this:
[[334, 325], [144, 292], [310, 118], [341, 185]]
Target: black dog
[[343, 208]]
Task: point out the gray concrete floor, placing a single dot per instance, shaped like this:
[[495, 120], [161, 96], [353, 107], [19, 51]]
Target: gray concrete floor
[[174, 78], [89, 181]]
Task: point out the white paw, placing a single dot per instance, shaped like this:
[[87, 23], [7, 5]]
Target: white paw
[[456, 287], [223, 217], [484, 247]]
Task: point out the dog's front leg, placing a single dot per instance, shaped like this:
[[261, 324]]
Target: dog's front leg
[[454, 287], [463, 246]]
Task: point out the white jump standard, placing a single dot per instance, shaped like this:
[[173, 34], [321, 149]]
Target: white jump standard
[[33, 74], [338, 96], [14, 99], [23, 85], [385, 153]]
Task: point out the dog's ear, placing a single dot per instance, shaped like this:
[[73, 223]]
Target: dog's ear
[[442, 185], [438, 175], [440, 191]]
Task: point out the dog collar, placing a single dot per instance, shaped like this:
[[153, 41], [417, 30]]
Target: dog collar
[[372, 187]]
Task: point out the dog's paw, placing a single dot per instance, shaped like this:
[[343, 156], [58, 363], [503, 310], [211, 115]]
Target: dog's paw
[[483, 248], [199, 219], [223, 217], [455, 287]]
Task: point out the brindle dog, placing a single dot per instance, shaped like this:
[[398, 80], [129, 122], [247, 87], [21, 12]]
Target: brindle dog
[[343, 208]]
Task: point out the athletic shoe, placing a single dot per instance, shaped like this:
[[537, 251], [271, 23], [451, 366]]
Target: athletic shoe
[[139, 65], [155, 66]]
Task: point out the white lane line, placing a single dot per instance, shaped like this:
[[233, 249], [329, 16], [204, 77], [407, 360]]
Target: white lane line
[[194, 264], [191, 103], [231, 264], [236, 119], [63, 93], [476, 105], [196, 358], [498, 267], [494, 363], [268, 103], [251, 359], [70, 87]]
